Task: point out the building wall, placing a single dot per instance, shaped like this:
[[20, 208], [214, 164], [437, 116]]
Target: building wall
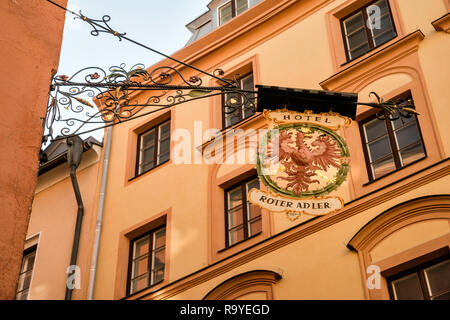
[[30, 50], [288, 44], [52, 226]]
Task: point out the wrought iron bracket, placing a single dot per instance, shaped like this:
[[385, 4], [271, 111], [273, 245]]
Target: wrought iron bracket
[[116, 101]]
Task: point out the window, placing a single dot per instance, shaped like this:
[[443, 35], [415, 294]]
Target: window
[[153, 147], [26, 271], [242, 219], [238, 109], [147, 260], [368, 28], [232, 9], [391, 145], [426, 282]]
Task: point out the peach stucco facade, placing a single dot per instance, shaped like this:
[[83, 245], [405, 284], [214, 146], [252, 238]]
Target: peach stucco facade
[[388, 222], [52, 225], [30, 44]]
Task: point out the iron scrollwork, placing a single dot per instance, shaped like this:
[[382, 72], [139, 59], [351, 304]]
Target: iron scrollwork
[[392, 109], [113, 92], [72, 98]]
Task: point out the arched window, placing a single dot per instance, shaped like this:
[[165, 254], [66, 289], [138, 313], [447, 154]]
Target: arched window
[[252, 285], [401, 242]]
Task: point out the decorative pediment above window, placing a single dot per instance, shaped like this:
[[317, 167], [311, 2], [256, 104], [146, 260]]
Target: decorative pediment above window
[[242, 286]]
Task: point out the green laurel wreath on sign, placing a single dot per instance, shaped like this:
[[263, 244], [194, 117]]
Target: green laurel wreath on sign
[[340, 176]]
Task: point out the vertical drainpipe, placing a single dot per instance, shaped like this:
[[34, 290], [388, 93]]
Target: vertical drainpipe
[[98, 225], [74, 154]]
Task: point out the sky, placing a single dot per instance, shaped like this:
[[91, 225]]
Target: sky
[[159, 24]]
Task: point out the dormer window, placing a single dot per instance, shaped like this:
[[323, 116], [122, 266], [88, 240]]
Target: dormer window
[[232, 9]]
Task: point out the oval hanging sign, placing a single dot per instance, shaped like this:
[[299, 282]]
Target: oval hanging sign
[[301, 160]]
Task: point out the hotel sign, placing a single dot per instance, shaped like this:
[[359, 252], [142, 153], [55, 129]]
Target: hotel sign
[[301, 160]]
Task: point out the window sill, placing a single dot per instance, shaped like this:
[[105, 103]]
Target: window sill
[[371, 52], [146, 288], [240, 242], [392, 172], [145, 172]]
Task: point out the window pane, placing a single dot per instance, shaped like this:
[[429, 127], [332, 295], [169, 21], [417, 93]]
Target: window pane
[[159, 238], [140, 266], [24, 280], [353, 23], [236, 235], [249, 107], [147, 151], [23, 295], [225, 13], [359, 52], [232, 118], [146, 167], [252, 184], [157, 276], [385, 37], [163, 158], [383, 29], [376, 12], [253, 211], [407, 288], [233, 109], [141, 277], [141, 247], [235, 217], [241, 6], [164, 150], [355, 34], [28, 261], [438, 278], [412, 153], [247, 83], [148, 138], [255, 226], [382, 5], [385, 25], [164, 130], [164, 145], [382, 167], [356, 39], [159, 258], [26, 272], [148, 155], [139, 283], [401, 121], [234, 198], [407, 135], [379, 148], [374, 129]]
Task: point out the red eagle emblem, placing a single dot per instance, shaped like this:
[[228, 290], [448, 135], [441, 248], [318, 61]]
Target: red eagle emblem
[[301, 160]]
